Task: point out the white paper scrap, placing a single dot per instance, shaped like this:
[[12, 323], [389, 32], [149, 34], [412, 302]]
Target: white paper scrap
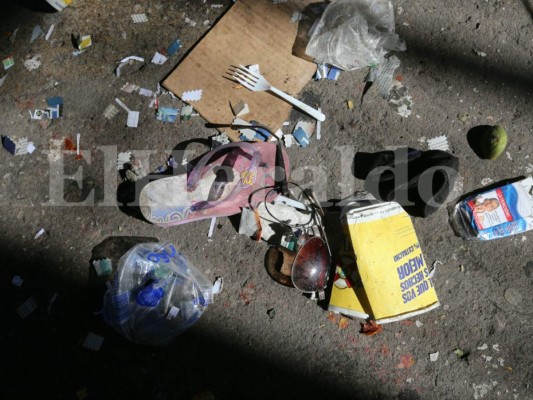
[[217, 5], [438, 143], [93, 341], [319, 127], [121, 104], [125, 61], [39, 234], [32, 63], [289, 140], [192, 95], [434, 356], [173, 312], [212, 227], [137, 18], [49, 33], [123, 158], [145, 92], [133, 119], [218, 285], [190, 22], [159, 58], [130, 88], [241, 109]]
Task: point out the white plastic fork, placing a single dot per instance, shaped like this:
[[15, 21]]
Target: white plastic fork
[[258, 83]]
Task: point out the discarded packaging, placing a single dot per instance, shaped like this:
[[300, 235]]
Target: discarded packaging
[[84, 42], [133, 116], [354, 34], [59, 5], [389, 281], [8, 62], [174, 47], [18, 147], [159, 59], [103, 267], [156, 294], [496, 213]]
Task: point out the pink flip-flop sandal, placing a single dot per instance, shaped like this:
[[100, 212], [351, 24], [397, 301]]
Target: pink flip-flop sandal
[[223, 181]]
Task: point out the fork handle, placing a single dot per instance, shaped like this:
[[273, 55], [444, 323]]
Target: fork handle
[[297, 103]]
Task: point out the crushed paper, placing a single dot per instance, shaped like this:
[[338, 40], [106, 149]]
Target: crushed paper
[[438, 143], [32, 63]]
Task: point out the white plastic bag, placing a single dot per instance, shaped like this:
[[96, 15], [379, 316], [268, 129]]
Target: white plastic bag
[[156, 294], [355, 34]]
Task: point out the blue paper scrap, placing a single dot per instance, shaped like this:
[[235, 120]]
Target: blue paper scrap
[[174, 47], [167, 114], [9, 145], [300, 135], [54, 101]]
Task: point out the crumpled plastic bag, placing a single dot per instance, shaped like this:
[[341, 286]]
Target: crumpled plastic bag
[[355, 34], [156, 294]]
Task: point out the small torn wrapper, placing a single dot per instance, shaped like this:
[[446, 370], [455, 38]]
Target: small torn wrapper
[[400, 100], [26, 308], [138, 18], [110, 111], [84, 42], [250, 224], [93, 341], [192, 95], [38, 114], [167, 114], [130, 88], [55, 107], [434, 356], [8, 62], [159, 58], [18, 147], [174, 47], [326, 71], [186, 112], [103, 267], [41, 232]]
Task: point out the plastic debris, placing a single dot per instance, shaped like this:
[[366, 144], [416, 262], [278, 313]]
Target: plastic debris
[[418, 324], [326, 71], [17, 281], [219, 140], [400, 100], [174, 47], [167, 114], [8, 62], [84, 42], [49, 33], [138, 18], [487, 181], [110, 111], [2, 80], [103, 267], [217, 5], [159, 58], [26, 308], [218, 285], [59, 5], [93, 341], [192, 95], [133, 116], [186, 112], [383, 76], [32, 63], [37, 31], [124, 158], [433, 357], [146, 92], [438, 143], [41, 232], [127, 61], [18, 147], [483, 347]]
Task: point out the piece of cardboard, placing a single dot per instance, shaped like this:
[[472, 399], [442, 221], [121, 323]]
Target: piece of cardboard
[[251, 32]]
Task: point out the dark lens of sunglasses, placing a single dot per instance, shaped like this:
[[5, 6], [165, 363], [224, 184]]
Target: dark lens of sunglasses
[[311, 266]]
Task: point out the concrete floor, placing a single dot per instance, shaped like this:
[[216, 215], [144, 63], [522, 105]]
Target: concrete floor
[[236, 350]]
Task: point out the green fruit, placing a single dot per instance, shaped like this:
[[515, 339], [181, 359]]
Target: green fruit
[[494, 142]]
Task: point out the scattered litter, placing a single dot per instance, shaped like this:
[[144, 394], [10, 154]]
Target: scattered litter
[[84, 42], [49, 33], [212, 226], [110, 111], [55, 107], [418, 324], [192, 95], [217, 5], [167, 114], [190, 22], [461, 354], [383, 76], [137, 18], [288, 140], [496, 347], [78, 137], [133, 116], [51, 303], [130, 88], [134, 170], [8, 62], [39, 234], [103, 267], [16, 146], [319, 127], [349, 104], [59, 5], [32, 63], [13, 36], [271, 313], [481, 390], [186, 112], [2, 80], [26, 308], [480, 53], [174, 47], [371, 328], [159, 58], [146, 92], [124, 158], [486, 358], [173, 312], [400, 100], [127, 61], [483, 347], [326, 71], [438, 143], [250, 224], [298, 16], [70, 146], [37, 31], [509, 155], [434, 356], [93, 341], [487, 181], [241, 109], [219, 140], [17, 281]]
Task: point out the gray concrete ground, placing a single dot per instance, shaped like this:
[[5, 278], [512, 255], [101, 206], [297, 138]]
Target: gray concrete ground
[[236, 350]]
